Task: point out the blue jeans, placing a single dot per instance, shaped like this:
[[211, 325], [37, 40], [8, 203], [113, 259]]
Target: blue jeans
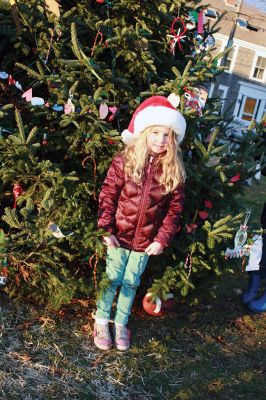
[[124, 268]]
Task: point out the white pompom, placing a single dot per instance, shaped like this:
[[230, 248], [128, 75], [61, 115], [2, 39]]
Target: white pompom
[[174, 99], [127, 136]]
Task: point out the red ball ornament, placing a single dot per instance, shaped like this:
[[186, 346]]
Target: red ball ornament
[[159, 307], [100, 1]]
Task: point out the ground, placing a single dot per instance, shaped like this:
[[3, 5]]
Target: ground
[[212, 350]]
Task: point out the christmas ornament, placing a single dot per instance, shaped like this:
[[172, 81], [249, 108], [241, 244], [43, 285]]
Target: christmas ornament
[[3, 75], [56, 231], [56, 107], [235, 178], [27, 95], [179, 36], [97, 41], [208, 43], [44, 140], [239, 241], [159, 307], [11, 81], [193, 16], [69, 106], [213, 161], [191, 102], [17, 191], [103, 110], [208, 203], [53, 7], [18, 85], [196, 99], [200, 22], [191, 227], [113, 111], [37, 101], [100, 1], [203, 214], [107, 112]]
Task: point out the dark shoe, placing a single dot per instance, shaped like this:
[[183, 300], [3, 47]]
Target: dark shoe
[[253, 287], [258, 305]]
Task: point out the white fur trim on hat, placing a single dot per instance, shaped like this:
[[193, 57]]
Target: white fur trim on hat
[[162, 116]]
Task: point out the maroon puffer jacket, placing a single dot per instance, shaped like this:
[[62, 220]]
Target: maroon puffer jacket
[[138, 214]]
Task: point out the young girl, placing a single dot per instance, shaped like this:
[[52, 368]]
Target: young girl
[[140, 206]]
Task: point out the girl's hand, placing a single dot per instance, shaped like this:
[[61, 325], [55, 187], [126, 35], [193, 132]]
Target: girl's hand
[[111, 241], [154, 249]]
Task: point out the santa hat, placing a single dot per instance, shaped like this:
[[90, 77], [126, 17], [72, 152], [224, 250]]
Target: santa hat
[[156, 110]]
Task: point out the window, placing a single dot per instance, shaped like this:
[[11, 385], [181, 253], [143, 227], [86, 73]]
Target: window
[[249, 109], [211, 88], [222, 93], [259, 69], [229, 58], [251, 102]]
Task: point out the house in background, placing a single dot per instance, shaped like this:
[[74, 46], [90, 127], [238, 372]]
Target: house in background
[[243, 84]]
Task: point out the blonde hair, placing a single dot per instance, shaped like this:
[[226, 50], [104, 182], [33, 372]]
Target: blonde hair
[[136, 157]]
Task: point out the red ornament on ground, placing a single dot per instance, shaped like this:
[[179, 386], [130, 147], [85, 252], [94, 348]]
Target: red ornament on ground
[[159, 307]]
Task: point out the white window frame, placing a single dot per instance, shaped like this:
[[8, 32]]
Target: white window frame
[[247, 89], [225, 90], [255, 59], [211, 89]]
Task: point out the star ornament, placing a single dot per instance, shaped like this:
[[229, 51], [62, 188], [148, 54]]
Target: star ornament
[[176, 39]]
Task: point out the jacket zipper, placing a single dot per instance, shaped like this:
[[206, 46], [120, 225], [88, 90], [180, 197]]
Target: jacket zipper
[[143, 201]]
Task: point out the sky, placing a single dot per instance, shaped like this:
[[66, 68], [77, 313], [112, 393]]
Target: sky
[[260, 4]]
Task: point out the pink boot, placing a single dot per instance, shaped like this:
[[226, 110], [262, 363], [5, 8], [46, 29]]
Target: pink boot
[[102, 338], [121, 337]]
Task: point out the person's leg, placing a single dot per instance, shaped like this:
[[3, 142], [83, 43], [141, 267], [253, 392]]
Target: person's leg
[[135, 267], [258, 305], [253, 287], [116, 261]]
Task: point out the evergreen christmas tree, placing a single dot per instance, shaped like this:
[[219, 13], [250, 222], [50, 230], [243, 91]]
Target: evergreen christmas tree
[[72, 73]]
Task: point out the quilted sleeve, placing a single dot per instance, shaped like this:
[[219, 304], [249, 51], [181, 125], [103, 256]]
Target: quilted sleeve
[[170, 223], [110, 193]]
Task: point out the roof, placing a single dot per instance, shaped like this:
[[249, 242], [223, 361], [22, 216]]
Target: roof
[[253, 23]]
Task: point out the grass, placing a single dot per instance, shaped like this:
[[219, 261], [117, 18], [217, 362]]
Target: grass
[[214, 350], [255, 196]]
